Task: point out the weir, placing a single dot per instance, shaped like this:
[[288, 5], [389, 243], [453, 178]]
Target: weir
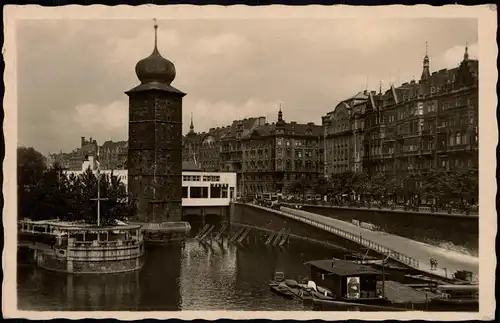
[[411, 253]]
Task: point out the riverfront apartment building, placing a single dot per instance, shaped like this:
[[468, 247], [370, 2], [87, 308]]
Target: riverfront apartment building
[[220, 149], [265, 156], [429, 124], [277, 154]]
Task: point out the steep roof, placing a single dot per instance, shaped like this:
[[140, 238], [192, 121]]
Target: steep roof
[[114, 145], [190, 166], [298, 129]]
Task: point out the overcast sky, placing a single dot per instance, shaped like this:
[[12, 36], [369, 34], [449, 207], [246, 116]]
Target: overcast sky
[[72, 74]]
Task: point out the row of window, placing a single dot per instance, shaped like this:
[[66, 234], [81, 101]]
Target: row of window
[[199, 178], [425, 165], [205, 192], [286, 177], [295, 142]]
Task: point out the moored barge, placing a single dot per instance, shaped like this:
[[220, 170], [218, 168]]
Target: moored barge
[[78, 248]]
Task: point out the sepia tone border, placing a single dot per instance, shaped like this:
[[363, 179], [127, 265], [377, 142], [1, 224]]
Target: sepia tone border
[[488, 137]]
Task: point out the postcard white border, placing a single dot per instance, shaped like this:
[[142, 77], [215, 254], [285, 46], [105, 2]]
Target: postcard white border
[[488, 136]]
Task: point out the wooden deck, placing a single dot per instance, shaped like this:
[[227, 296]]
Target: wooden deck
[[398, 293]]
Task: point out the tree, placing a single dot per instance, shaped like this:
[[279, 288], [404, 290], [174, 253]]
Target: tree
[[381, 185], [30, 170], [360, 184], [30, 166], [69, 198], [300, 185], [321, 186]]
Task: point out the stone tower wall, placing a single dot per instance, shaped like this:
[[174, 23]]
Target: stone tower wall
[[155, 155]]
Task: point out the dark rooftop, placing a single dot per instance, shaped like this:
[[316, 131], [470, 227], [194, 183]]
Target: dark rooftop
[[342, 267], [190, 166]]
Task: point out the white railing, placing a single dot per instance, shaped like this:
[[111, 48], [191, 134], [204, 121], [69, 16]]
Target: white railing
[[402, 258]]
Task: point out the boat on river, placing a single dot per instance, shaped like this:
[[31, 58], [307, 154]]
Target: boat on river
[[345, 281], [282, 289], [79, 248], [457, 297], [290, 288]]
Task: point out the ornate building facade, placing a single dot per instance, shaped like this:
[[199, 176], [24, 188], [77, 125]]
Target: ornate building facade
[[418, 126], [155, 140], [424, 125], [343, 135], [275, 155]]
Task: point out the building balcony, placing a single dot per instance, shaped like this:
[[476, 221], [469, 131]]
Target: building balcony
[[426, 151], [409, 135], [458, 148], [428, 132]]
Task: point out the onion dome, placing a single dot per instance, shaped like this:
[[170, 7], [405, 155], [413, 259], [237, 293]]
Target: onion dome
[[155, 68]]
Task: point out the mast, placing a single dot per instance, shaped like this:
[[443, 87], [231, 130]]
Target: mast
[[98, 190]]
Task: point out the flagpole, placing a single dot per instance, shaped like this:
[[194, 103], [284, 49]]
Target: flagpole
[[98, 190]]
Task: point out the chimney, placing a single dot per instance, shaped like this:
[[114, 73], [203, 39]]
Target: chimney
[[82, 142], [262, 121], [374, 92]]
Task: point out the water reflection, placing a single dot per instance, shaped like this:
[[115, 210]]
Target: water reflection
[[189, 275]]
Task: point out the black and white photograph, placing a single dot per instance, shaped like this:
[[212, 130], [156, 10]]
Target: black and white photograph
[[232, 162]]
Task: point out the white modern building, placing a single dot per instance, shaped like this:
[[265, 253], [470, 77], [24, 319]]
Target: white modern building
[[198, 188]]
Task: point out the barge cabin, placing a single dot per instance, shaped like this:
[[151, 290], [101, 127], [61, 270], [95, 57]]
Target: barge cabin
[[348, 281]]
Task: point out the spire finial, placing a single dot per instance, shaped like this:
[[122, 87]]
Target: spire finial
[[380, 88], [466, 54], [192, 125], [280, 114], [156, 33], [426, 48]]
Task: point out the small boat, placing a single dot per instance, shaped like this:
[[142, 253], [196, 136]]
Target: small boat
[[282, 289], [458, 297]]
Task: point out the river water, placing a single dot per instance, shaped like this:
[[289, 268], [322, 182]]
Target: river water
[[186, 275]]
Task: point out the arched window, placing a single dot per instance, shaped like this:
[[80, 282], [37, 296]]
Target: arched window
[[458, 137]]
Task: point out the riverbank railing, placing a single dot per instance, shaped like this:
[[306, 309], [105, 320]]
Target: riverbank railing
[[402, 258], [471, 212]]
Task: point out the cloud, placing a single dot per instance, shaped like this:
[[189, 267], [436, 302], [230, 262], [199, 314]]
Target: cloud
[[113, 117], [126, 51], [102, 122], [209, 114], [74, 85], [227, 45], [454, 55], [366, 34]]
